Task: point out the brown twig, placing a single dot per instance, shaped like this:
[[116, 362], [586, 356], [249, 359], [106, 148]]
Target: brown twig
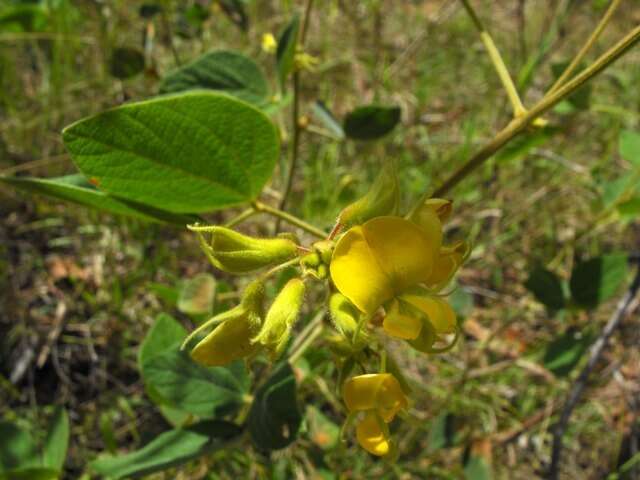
[[581, 382]]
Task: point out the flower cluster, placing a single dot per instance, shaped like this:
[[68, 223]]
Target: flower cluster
[[385, 275]]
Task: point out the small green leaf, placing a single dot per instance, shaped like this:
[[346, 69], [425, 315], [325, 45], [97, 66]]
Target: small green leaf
[[18, 449], [169, 449], [326, 117], [629, 146], [598, 279], [57, 440], [476, 468], [274, 418], [371, 122], [76, 189], [225, 71], [563, 354], [285, 55], [186, 153], [546, 287], [126, 62], [197, 295], [208, 392]]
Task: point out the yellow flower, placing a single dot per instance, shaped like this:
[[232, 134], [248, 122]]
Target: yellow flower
[[401, 264], [269, 43], [380, 397]]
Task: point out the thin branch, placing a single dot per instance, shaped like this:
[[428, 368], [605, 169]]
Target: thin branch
[[581, 382], [292, 219], [587, 46], [519, 124]]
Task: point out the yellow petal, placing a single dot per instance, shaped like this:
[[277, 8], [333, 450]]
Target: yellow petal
[[229, 341], [370, 435], [380, 391], [439, 312], [357, 274], [404, 251], [401, 324], [447, 264]]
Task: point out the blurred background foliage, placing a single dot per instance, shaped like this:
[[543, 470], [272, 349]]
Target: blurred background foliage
[[80, 290]]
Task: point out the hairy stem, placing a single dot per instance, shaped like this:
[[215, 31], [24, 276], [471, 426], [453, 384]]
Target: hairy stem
[[287, 217]]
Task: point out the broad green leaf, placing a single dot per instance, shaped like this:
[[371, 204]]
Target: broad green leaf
[[476, 468], [523, 144], [371, 122], [326, 117], [598, 279], [630, 209], [208, 392], [169, 449], [274, 418], [197, 295], [57, 440], [322, 431], [225, 71], [126, 62], [563, 354], [546, 287], [18, 449], [285, 55], [165, 334], [630, 146], [76, 189], [186, 153]]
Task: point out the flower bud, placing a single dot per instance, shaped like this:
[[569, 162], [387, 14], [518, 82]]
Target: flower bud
[[281, 317], [382, 199], [269, 43], [231, 339], [237, 253]]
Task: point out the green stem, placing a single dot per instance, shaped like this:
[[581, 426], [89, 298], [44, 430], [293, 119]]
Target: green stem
[[613, 6], [250, 212], [278, 268], [306, 343], [519, 124], [498, 62], [287, 217]]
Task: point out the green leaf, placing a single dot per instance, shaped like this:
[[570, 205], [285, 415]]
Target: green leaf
[[30, 474], [285, 55], [630, 209], [169, 449], [274, 418], [126, 62], [186, 153], [477, 469], [613, 190], [76, 189], [598, 279], [563, 354], [165, 334], [546, 287], [629, 146], [18, 449], [523, 144], [324, 115], [57, 440], [225, 71], [371, 122], [197, 295], [208, 392]]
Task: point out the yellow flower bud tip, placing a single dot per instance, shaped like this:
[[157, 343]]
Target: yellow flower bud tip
[[312, 260], [281, 317], [237, 253], [325, 250], [382, 199], [380, 392], [269, 43]]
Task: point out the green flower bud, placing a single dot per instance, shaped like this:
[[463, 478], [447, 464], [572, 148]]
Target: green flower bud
[[281, 317], [345, 318], [382, 199], [231, 339], [237, 253]]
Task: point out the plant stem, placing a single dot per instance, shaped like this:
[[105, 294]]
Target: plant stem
[[287, 217], [295, 116], [498, 62], [310, 332], [519, 124], [587, 46], [249, 212]]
